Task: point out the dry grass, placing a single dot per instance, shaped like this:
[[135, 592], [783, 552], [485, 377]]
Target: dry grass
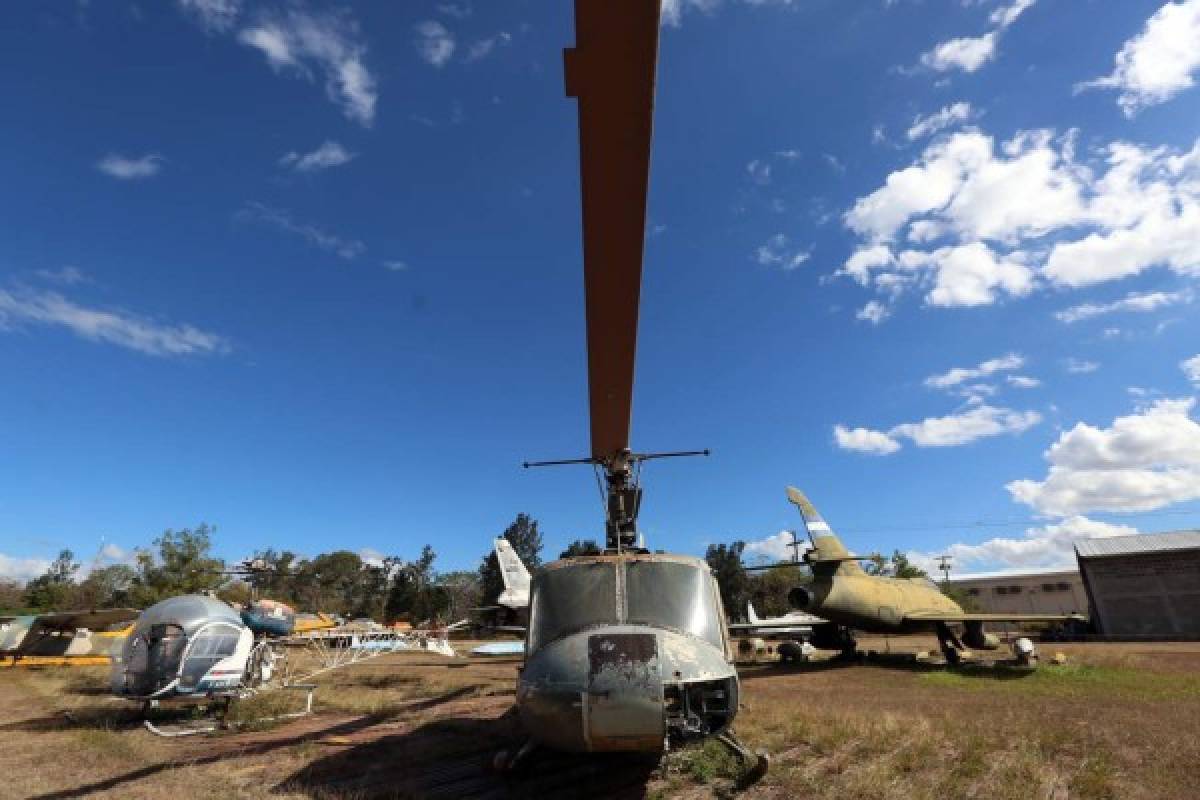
[[1120, 721]]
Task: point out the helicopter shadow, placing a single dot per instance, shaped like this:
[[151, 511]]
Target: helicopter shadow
[[452, 758], [83, 719]]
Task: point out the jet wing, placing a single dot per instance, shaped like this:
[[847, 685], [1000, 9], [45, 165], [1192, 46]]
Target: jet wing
[[92, 620], [937, 616]]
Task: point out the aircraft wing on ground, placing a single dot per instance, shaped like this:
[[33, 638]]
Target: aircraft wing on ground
[[500, 649], [92, 620], [794, 625], [966, 616]]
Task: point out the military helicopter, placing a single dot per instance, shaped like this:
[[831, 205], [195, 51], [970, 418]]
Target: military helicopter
[[850, 599], [628, 650]]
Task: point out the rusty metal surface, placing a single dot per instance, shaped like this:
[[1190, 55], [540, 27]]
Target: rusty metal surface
[[611, 71]]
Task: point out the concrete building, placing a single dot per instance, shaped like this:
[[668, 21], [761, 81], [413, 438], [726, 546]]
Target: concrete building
[[1028, 591], [1147, 584]]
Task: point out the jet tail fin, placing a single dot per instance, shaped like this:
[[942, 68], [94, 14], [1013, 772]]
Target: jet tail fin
[[827, 547], [750, 613], [514, 574]]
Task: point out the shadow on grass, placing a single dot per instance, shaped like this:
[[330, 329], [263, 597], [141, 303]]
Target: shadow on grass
[[903, 663], [236, 750], [452, 758]]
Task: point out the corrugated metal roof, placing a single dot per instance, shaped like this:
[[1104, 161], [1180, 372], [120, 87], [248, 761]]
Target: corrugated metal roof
[[1137, 543]]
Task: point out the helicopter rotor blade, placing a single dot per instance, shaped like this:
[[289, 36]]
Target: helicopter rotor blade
[[611, 70]]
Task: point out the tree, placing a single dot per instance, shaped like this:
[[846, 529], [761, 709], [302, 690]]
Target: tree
[[53, 590], [526, 540], [414, 591], [898, 566], [183, 566], [12, 595], [769, 589], [106, 587], [726, 564], [462, 591], [333, 582], [581, 547], [236, 593]]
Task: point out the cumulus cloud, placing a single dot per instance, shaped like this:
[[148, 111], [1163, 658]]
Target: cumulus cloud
[[127, 168], [772, 548], [948, 116], [959, 375], [112, 327], [1023, 382], [971, 52], [778, 251], [1051, 545], [303, 44], [759, 171], [864, 440], [1141, 462], [983, 221], [1159, 62], [435, 43], [673, 10], [329, 154], [67, 276], [873, 312], [1133, 302], [977, 422], [282, 220], [1191, 368]]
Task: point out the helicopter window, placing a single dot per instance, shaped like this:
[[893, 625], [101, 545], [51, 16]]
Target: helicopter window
[[212, 644], [673, 595], [570, 598]]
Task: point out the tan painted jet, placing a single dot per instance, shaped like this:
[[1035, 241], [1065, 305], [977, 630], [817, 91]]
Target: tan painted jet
[[850, 599]]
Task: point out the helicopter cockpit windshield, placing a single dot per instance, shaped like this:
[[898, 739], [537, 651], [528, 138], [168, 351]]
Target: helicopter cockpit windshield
[[667, 594]]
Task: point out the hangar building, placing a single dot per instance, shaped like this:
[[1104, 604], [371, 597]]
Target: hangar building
[[1056, 591], [1147, 584]]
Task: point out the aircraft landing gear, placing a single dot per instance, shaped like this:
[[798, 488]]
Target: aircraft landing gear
[[952, 646]]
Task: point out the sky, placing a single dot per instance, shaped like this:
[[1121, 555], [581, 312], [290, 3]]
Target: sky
[[311, 273]]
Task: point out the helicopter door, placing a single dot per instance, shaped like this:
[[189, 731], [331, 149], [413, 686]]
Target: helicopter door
[[624, 708]]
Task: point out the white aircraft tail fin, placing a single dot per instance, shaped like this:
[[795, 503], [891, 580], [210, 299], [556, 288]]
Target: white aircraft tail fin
[[516, 577], [750, 613]]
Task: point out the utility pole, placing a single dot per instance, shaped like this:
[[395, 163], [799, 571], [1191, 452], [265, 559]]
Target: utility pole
[[944, 566]]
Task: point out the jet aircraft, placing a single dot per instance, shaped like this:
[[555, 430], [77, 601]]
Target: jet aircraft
[[851, 600]]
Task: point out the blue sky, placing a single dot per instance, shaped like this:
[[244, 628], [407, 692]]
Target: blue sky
[[312, 273]]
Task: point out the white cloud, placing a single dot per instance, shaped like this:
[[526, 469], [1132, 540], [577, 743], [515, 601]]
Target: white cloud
[[958, 375], [1051, 545], [1024, 215], [977, 422], [1191, 368], [873, 312], [371, 557], [483, 48], [1133, 302], [282, 220], [1142, 462], [939, 120], [970, 53], [22, 570], [779, 252], [772, 548], [759, 172], [216, 16], [395, 265], [1159, 62], [113, 327], [1023, 382], [864, 440], [329, 154], [1077, 366], [304, 43], [435, 43], [67, 276], [126, 168]]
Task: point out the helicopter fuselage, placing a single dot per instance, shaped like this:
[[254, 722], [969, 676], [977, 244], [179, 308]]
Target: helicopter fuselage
[[626, 652]]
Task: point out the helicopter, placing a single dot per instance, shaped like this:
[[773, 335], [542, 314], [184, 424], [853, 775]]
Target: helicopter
[[626, 651]]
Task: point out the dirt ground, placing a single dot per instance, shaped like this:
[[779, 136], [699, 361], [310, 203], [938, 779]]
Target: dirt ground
[[1117, 721]]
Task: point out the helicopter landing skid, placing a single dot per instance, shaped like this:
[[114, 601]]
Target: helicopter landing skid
[[219, 720], [755, 764], [507, 761]]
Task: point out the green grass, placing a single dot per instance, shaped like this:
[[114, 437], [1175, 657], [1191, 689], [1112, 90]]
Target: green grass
[[1072, 680]]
